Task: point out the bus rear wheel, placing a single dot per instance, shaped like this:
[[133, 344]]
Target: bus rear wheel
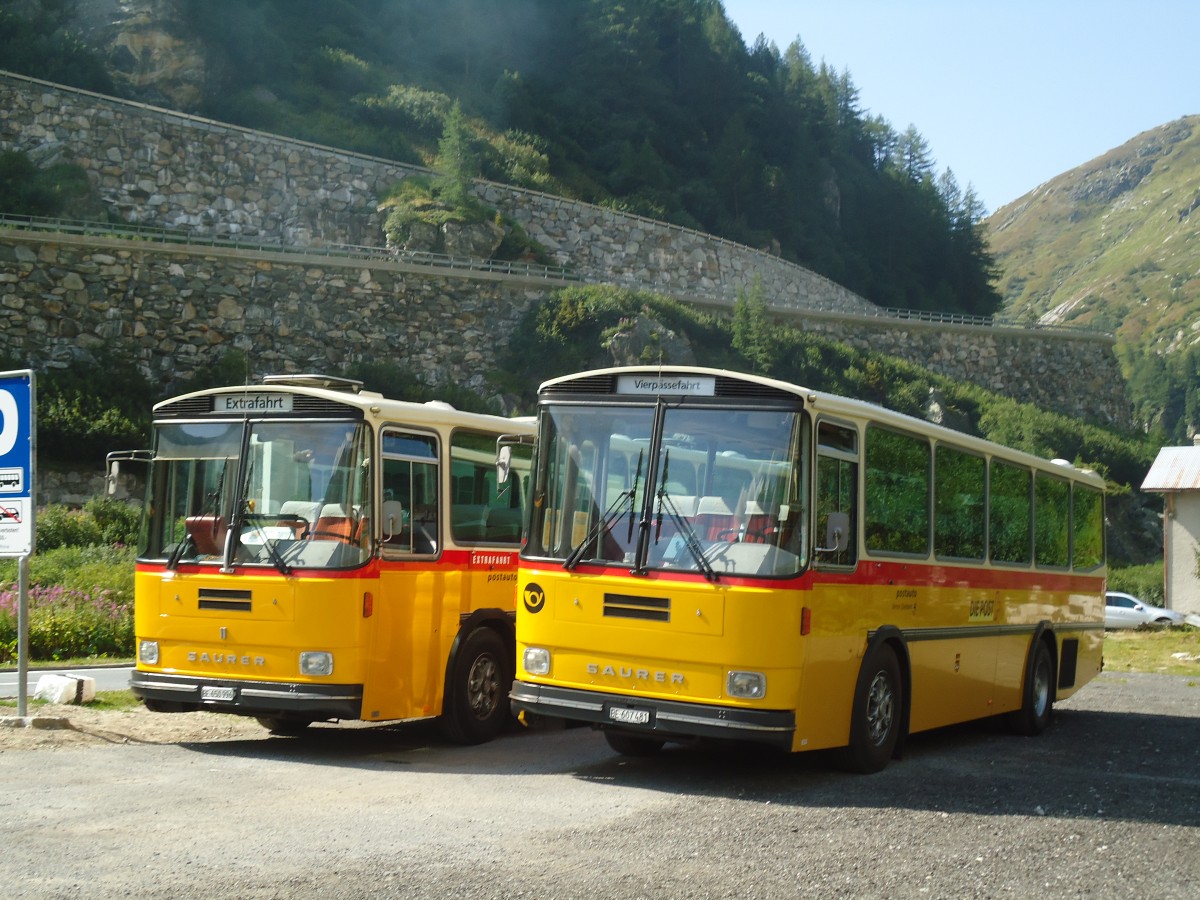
[[1037, 695], [875, 718], [476, 705]]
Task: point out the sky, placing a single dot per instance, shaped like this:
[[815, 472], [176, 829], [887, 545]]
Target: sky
[[1007, 93]]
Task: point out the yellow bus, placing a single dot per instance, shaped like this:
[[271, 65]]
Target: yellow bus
[[312, 551], [717, 555]]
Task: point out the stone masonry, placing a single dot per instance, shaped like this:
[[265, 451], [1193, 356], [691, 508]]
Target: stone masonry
[[175, 307]]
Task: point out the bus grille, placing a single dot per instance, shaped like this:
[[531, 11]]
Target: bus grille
[[218, 598], [626, 606]]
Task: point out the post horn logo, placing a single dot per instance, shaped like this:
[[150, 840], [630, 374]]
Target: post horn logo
[[534, 596]]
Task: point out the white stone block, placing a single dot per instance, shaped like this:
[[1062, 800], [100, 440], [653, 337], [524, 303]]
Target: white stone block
[[66, 689]]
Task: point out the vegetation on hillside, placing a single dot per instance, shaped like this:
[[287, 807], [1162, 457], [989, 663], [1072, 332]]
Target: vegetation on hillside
[[657, 107], [38, 39], [1111, 245]]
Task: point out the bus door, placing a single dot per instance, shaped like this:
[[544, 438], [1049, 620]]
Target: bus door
[[838, 608], [406, 657]]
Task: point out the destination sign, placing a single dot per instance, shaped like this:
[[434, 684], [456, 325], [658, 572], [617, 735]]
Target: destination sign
[[252, 402], [674, 385]]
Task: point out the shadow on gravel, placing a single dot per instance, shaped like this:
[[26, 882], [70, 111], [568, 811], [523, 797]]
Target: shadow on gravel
[[1094, 765], [1088, 764], [351, 744]]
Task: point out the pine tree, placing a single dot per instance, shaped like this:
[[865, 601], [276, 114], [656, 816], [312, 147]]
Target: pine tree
[[456, 165]]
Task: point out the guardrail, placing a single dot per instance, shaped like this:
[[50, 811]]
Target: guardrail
[[462, 264], [337, 251]]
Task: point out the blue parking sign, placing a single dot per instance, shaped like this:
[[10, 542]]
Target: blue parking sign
[[17, 435]]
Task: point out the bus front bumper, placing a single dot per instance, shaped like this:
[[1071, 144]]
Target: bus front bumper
[[181, 693], [650, 717]]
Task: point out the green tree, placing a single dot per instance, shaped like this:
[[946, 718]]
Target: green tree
[[753, 335], [457, 164]]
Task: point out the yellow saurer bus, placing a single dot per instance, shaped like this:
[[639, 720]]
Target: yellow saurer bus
[[715, 555], [312, 551]]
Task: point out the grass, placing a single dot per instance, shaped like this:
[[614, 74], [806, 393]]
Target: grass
[[1169, 651], [115, 701]]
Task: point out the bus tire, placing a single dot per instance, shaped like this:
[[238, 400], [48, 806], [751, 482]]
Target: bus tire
[[632, 744], [476, 705], [875, 718], [1037, 694], [284, 726]]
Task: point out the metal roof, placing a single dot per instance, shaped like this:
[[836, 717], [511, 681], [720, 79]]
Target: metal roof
[[1174, 469]]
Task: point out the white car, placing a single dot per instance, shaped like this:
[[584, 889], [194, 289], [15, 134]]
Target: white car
[[1127, 611]]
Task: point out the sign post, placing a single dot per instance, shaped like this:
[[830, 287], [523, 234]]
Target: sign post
[[18, 437]]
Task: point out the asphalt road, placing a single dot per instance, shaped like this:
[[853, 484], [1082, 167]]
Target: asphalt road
[[1105, 804]]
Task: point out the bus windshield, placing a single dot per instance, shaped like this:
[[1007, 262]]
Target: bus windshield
[[713, 490], [272, 493]]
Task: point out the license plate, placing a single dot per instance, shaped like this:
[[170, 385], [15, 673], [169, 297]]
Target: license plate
[[217, 693], [629, 716]]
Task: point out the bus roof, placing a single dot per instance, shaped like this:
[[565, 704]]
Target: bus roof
[[348, 393]]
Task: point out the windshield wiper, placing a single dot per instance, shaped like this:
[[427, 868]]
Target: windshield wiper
[[605, 522], [177, 553], [683, 525], [269, 543]]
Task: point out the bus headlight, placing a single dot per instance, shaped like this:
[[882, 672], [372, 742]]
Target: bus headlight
[[537, 661], [316, 662], [148, 652], [746, 685]]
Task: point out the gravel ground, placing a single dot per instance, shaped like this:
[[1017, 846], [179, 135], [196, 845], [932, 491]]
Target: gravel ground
[[1105, 804]]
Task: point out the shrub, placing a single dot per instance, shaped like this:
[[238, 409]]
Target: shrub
[[80, 603], [61, 526], [118, 521], [66, 623]]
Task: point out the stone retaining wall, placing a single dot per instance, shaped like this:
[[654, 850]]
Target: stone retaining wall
[[153, 166]]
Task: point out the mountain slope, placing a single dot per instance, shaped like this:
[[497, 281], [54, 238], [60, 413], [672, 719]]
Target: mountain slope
[[1112, 244]]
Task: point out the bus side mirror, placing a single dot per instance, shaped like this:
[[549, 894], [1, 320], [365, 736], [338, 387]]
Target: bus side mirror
[[503, 466], [110, 480], [837, 533]]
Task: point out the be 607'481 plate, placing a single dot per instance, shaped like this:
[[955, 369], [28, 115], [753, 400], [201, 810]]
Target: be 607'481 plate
[[629, 716]]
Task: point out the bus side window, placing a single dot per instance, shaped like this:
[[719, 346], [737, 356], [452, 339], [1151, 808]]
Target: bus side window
[[410, 493], [837, 495]]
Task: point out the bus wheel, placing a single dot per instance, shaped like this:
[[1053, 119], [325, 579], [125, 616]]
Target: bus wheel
[[1037, 696], [476, 704], [283, 726], [632, 745], [875, 719]]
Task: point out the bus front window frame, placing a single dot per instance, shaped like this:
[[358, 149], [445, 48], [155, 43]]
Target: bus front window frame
[[701, 488], [228, 492]]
